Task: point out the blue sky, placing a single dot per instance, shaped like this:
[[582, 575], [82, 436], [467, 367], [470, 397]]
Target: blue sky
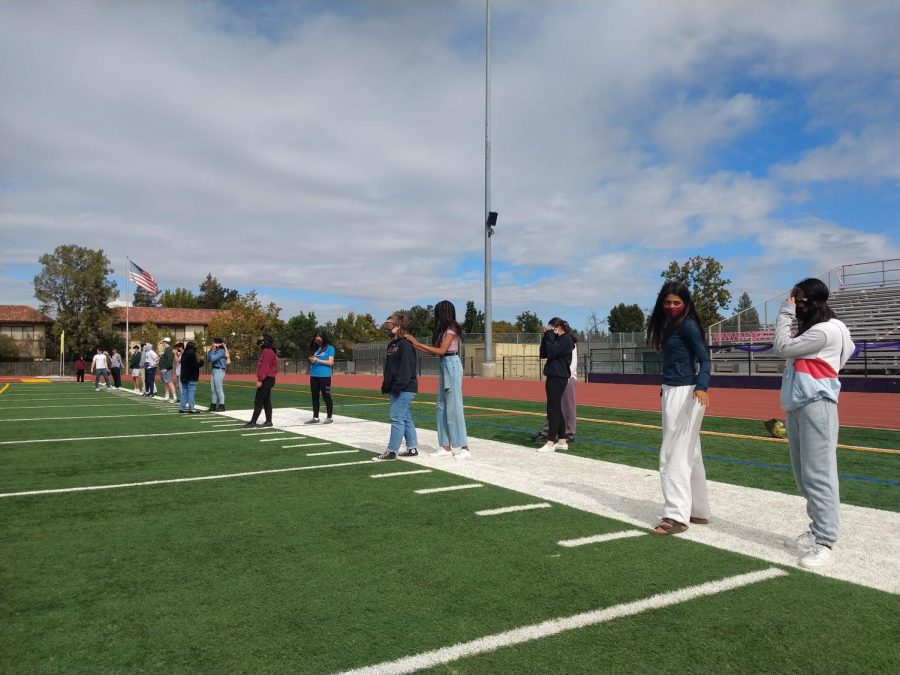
[[331, 154]]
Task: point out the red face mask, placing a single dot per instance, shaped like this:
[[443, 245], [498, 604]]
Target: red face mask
[[673, 312]]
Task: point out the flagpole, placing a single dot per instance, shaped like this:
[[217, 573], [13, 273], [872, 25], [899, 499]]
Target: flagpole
[[127, 333]]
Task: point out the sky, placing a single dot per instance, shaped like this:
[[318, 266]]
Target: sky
[[331, 155]]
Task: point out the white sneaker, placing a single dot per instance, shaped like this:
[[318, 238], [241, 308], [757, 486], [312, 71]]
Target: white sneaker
[[562, 446], [441, 453], [818, 556], [547, 447], [802, 542], [462, 453]]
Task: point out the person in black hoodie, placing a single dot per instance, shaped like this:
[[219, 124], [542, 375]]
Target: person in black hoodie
[[556, 346], [190, 375], [401, 384]]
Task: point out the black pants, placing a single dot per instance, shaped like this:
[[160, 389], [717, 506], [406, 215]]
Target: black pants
[[117, 376], [79, 376], [323, 385], [263, 400], [150, 381], [555, 386]]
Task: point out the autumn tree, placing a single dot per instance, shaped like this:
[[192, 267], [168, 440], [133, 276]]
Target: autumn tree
[[703, 277], [625, 319], [73, 285]]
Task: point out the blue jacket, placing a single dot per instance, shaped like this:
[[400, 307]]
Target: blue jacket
[[681, 353], [217, 358]]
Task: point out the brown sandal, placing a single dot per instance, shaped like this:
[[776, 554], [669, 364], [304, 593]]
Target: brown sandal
[[669, 526], [699, 521]]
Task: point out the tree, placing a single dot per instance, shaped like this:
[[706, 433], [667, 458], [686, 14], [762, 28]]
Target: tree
[[421, 320], [73, 284], [354, 329], [593, 326], [297, 334], [474, 319], [749, 317], [703, 277], [215, 296], [503, 328], [180, 297], [245, 320], [9, 350], [528, 322], [625, 319], [144, 298]]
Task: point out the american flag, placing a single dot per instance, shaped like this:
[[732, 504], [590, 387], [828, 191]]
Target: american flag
[[143, 278]]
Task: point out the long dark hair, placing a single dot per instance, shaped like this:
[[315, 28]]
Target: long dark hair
[[268, 342], [444, 320], [313, 347], [660, 326], [556, 322], [811, 296]]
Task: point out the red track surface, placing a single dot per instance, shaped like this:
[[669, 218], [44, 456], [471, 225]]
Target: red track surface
[[877, 411]]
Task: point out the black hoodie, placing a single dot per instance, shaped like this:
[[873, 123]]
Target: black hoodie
[[400, 368], [557, 349]]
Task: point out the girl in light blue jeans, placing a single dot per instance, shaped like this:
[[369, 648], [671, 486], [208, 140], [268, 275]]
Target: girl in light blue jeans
[[445, 341]]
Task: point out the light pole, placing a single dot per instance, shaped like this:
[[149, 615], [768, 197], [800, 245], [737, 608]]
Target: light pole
[[489, 366]]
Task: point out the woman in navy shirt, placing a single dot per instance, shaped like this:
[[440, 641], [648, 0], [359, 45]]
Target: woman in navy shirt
[[676, 329], [321, 359]]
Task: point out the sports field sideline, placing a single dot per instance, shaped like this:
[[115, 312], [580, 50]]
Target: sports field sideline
[[140, 539]]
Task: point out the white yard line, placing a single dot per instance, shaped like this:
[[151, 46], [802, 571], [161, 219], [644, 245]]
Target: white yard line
[[599, 538], [106, 438], [302, 445], [330, 452], [450, 488], [85, 405], [513, 509], [399, 473], [263, 433], [82, 417], [179, 480], [552, 627]]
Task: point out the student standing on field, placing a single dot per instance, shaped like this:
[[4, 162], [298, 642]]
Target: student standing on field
[[100, 368], [675, 328], [809, 395], [151, 361], [401, 385], [179, 351], [134, 364], [266, 370], [569, 409], [190, 375], [115, 367], [556, 346], [219, 359], [79, 368], [167, 369], [321, 359], [445, 341]]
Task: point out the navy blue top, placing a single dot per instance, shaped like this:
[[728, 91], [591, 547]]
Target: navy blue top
[[681, 353]]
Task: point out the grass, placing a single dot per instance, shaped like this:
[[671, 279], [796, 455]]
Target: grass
[[328, 569]]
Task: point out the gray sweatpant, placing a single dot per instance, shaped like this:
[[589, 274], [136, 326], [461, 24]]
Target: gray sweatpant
[[812, 440]]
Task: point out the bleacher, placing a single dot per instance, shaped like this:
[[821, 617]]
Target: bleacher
[[872, 314]]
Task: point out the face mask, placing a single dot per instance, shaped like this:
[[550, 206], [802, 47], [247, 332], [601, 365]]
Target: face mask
[[318, 341], [258, 343], [673, 312]]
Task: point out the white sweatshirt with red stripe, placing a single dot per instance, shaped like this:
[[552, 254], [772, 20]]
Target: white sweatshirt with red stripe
[[813, 359]]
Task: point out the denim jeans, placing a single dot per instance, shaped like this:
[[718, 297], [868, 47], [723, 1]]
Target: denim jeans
[[402, 422], [188, 392], [451, 420], [101, 372], [216, 385]]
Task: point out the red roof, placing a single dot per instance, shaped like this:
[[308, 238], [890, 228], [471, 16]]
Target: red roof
[[22, 314], [165, 316]]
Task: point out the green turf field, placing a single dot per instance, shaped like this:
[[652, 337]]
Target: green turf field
[[300, 562]]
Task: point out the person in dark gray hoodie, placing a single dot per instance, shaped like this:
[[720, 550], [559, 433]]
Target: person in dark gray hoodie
[[556, 346], [401, 385]]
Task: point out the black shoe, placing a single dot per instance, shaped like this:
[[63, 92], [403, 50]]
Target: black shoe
[[221, 407], [409, 452], [182, 411], [540, 436], [385, 456], [267, 423], [250, 425], [193, 412], [570, 438]]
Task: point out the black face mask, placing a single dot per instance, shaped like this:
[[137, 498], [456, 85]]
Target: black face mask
[[259, 343]]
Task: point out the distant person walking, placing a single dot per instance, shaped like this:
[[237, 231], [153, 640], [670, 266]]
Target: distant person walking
[[134, 364], [100, 368], [401, 385], [557, 346], [675, 329], [266, 371], [219, 360], [809, 395], [79, 368], [151, 361], [115, 367], [190, 375], [321, 361], [445, 341]]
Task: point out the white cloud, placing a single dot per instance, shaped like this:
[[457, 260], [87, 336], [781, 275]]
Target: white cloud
[[868, 157]]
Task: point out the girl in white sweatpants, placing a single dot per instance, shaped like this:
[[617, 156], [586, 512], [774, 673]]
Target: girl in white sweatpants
[[676, 330]]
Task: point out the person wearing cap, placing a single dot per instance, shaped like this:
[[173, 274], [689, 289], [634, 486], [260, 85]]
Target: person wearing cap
[[134, 364], [218, 359], [151, 361], [167, 370]]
